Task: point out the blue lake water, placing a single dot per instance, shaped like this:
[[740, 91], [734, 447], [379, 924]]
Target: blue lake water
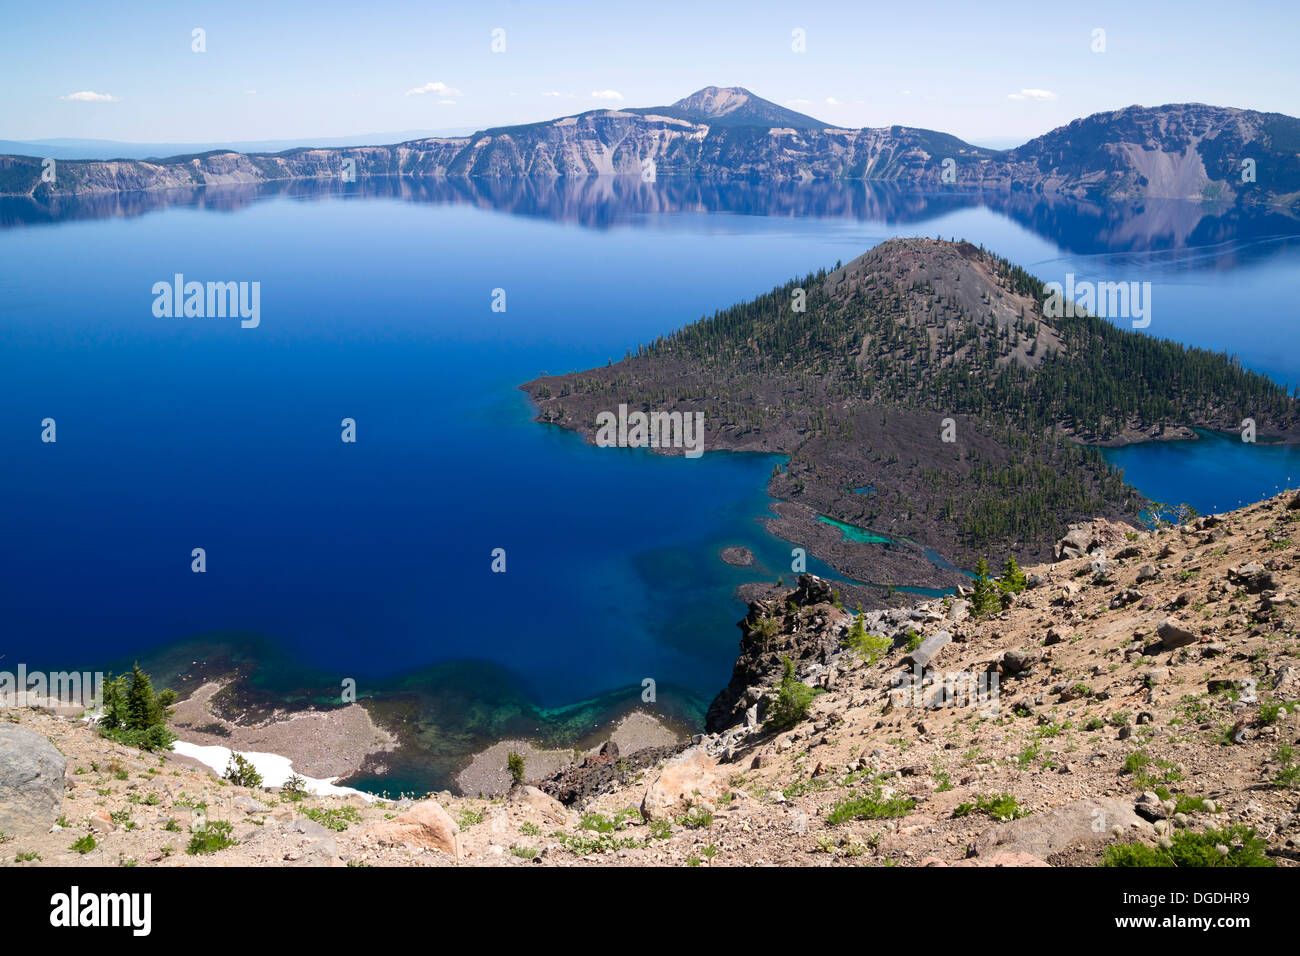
[[373, 560]]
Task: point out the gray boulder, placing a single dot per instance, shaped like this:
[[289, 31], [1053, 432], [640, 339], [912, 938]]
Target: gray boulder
[[1085, 822], [1173, 634], [931, 646], [31, 781]]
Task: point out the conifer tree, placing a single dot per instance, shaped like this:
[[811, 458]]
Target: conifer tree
[[985, 598]]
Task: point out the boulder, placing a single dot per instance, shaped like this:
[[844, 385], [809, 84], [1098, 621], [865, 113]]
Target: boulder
[[426, 824], [687, 779], [1019, 662], [1074, 544], [931, 646], [545, 805], [1174, 634], [31, 781], [812, 590], [1252, 577], [1086, 821]]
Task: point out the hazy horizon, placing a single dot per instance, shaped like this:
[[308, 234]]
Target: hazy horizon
[[327, 71]]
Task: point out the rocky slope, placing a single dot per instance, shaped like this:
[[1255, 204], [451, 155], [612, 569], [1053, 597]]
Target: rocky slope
[[1183, 151], [1146, 686]]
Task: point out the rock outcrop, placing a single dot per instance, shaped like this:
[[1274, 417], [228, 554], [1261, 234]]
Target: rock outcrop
[[426, 825], [31, 781]]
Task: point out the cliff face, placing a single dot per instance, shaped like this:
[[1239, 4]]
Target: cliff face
[[1188, 151]]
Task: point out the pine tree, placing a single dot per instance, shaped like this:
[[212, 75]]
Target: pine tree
[[985, 598], [1012, 580]]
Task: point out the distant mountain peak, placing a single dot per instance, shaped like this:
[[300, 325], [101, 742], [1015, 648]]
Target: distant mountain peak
[[718, 100], [737, 106]]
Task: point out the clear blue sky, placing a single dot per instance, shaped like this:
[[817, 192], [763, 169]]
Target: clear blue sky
[[285, 70]]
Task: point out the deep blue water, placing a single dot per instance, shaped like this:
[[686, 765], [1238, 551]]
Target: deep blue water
[[373, 559]]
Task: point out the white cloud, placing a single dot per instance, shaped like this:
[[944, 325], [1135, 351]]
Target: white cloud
[[250, 92], [606, 95], [551, 93], [442, 89], [446, 102], [86, 96], [1032, 95], [832, 101]]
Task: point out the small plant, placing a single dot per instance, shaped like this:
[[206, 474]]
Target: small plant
[[999, 806], [1012, 580], [84, 845], [515, 764], [985, 596], [1188, 849], [869, 647], [528, 828], [871, 806], [696, 819], [765, 628], [294, 789], [792, 700], [469, 818], [1288, 774], [210, 837], [1268, 713], [334, 818], [523, 852], [1136, 762], [241, 772]]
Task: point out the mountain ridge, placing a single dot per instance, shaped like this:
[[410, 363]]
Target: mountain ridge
[[1185, 151]]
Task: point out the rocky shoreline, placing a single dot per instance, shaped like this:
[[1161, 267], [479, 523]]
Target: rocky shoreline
[[1149, 679]]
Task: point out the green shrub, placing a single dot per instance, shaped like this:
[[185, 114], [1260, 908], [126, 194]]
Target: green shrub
[[999, 806], [210, 837], [696, 819], [84, 845], [792, 700], [1188, 849], [241, 772], [515, 764], [869, 647], [985, 597], [1012, 580], [869, 807], [335, 818], [134, 714], [293, 789]]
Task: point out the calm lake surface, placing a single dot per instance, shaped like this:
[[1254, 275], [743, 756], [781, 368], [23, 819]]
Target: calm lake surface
[[372, 560]]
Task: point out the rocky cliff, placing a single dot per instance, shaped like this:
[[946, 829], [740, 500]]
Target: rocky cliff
[[1186, 151]]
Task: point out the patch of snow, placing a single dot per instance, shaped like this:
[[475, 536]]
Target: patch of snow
[[275, 770]]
